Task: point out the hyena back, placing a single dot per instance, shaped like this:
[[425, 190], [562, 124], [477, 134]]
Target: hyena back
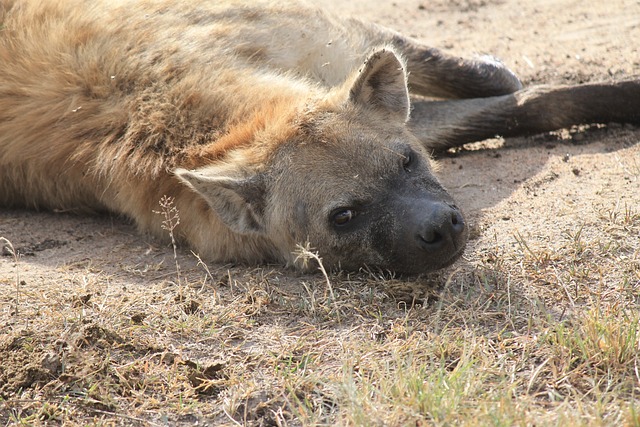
[[267, 133]]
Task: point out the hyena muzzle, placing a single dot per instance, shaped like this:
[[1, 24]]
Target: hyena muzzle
[[270, 125]]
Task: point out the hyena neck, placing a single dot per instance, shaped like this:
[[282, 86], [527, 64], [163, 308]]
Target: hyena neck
[[247, 145], [254, 136]]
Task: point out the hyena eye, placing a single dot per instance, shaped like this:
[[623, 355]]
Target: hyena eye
[[342, 216], [407, 160]]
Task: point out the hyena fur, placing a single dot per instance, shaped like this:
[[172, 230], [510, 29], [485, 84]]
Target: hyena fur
[[270, 124]]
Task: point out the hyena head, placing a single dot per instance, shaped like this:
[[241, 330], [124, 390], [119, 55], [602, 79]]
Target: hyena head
[[351, 182]]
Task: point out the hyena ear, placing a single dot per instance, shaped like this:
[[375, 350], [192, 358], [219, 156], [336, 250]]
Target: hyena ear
[[382, 84], [239, 201]]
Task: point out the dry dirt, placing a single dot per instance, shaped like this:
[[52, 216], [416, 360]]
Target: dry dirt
[[79, 281]]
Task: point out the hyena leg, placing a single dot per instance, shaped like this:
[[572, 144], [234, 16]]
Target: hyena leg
[[436, 74], [445, 124], [433, 73]]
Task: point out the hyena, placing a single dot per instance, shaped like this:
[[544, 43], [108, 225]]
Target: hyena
[[271, 125]]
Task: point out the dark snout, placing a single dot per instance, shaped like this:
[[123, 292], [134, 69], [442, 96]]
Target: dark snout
[[435, 234], [441, 231]]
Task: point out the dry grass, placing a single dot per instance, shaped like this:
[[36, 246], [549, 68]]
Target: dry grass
[[524, 336]]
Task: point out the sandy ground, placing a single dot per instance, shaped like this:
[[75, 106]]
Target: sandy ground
[[533, 188]]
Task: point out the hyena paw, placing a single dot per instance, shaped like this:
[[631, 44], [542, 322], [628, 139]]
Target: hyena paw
[[499, 79]]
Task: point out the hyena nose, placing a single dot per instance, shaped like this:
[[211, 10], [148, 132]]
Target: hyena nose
[[443, 230]]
